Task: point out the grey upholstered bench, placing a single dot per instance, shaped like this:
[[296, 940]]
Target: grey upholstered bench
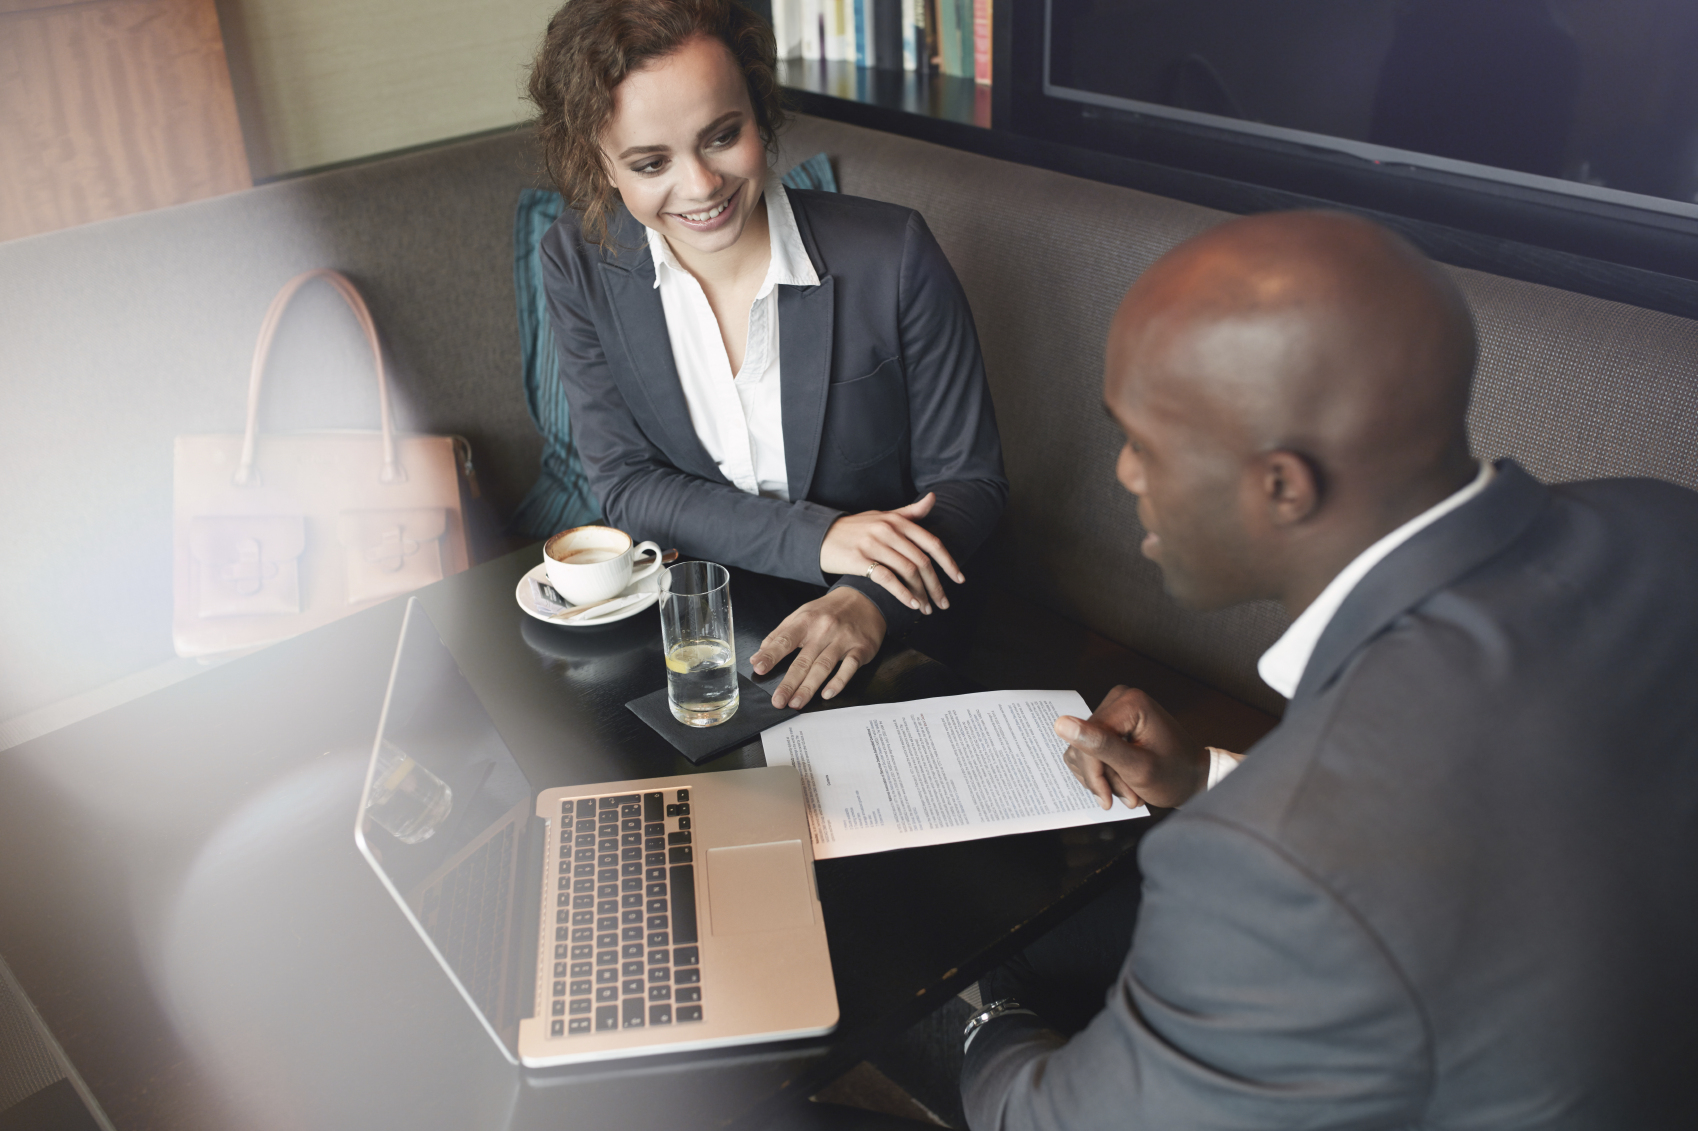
[[118, 336], [1572, 387]]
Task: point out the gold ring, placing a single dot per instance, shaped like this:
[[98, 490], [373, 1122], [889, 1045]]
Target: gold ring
[[870, 570]]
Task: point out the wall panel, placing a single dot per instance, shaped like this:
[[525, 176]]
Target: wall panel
[[326, 81]]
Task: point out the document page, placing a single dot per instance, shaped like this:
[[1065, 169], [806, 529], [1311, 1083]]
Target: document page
[[897, 775]]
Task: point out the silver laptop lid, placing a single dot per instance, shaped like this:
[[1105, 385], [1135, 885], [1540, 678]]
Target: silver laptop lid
[[446, 820]]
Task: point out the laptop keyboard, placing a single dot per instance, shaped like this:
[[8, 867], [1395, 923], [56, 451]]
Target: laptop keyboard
[[625, 943]]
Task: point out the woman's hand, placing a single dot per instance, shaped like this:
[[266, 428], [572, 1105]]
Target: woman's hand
[[894, 550], [841, 630]]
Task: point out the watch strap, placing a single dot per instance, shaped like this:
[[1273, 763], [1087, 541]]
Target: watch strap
[[1007, 1007]]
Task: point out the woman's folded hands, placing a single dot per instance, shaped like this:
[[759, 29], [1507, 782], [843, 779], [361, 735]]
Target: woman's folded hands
[[843, 629], [893, 549]]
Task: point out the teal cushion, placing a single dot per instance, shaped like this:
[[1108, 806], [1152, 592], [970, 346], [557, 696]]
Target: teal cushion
[[561, 496], [814, 173]]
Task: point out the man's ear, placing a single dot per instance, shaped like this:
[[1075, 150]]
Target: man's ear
[[1291, 487]]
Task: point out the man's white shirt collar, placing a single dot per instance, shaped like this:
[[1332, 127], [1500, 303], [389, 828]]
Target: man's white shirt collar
[[790, 264], [1281, 667]]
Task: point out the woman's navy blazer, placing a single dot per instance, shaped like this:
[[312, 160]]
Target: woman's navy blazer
[[883, 394]]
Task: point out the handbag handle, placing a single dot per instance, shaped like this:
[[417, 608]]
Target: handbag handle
[[392, 471]]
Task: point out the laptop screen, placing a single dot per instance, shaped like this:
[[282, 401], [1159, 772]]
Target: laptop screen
[[446, 819]]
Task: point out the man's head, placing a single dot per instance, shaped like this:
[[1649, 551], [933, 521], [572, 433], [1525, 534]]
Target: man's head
[[1292, 387]]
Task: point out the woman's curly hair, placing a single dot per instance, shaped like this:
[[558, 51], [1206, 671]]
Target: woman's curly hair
[[592, 45]]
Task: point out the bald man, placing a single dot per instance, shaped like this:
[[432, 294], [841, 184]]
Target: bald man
[[1457, 886]]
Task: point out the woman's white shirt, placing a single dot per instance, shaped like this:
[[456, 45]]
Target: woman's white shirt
[[738, 418]]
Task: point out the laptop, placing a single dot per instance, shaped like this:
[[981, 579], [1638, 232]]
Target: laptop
[[590, 922]]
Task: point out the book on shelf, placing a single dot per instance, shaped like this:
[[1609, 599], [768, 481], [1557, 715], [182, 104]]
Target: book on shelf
[[812, 35], [982, 40], [949, 36], [787, 28], [964, 36], [842, 45], [885, 34], [955, 37]]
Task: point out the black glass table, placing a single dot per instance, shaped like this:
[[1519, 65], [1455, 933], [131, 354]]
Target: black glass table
[[183, 902]]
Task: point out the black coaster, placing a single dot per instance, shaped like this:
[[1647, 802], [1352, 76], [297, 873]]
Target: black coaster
[[755, 713]]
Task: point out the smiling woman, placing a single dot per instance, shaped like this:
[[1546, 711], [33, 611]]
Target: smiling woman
[[784, 381], [590, 50]]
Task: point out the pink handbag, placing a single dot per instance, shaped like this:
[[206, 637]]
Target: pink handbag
[[278, 534]]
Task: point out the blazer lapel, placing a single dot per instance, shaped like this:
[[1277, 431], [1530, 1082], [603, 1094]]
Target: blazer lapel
[[651, 376], [1429, 561], [804, 366], [805, 321]]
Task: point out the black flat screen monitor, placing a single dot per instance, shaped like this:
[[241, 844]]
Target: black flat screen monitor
[[1593, 98]]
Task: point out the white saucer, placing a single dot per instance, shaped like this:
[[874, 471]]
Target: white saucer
[[648, 586]]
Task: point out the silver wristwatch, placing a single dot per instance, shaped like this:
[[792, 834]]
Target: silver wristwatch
[[990, 1013]]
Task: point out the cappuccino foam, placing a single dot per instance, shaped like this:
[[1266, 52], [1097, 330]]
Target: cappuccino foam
[[587, 556]]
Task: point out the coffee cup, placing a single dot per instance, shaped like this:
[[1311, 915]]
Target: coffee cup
[[592, 563]]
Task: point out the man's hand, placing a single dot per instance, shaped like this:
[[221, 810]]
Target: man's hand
[[841, 630], [1132, 749], [896, 549]]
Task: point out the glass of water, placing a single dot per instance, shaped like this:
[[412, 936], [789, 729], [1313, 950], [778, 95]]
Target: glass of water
[[407, 799], [701, 654]]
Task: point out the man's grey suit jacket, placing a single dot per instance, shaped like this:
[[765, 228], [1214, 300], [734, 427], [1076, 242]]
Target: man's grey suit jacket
[[883, 394], [1457, 886]]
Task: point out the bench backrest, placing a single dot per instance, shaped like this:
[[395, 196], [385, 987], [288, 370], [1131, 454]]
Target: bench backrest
[[1572, 387], [118, 336]]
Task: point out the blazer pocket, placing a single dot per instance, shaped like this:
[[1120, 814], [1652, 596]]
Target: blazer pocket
[[866, 418]]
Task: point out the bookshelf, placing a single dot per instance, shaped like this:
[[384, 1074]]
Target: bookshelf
[[1622, 255], [930, 94]]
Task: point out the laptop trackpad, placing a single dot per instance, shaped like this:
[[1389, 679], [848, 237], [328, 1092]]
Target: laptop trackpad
[[759, 887]]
